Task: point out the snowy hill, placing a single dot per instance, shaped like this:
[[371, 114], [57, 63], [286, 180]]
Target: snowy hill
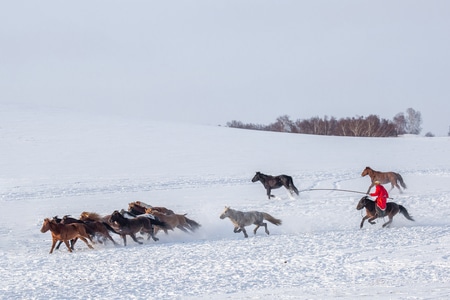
[[62, 163]]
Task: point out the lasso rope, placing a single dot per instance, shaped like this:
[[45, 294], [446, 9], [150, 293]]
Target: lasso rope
[[349, 191]]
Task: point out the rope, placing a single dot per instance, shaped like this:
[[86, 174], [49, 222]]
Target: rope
[[334, 190], [349, 191]]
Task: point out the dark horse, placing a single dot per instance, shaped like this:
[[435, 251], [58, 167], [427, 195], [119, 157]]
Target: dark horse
[[274, 182], [132, 226], [392, 209], [383, 178]]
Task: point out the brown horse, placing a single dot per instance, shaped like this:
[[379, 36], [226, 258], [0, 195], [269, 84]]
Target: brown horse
[[392, 209], [94, 228], [65, 233], [138, 209], [274, 182], [383, 178], [72, 242], [132, 226], [143, 204], [174, 221], [92, 216]]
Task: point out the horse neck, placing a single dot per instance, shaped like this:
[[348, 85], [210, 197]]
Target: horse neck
[[370, 205], [121, 219], [55, 227], [263, 177], [373, 173], [232, 213]]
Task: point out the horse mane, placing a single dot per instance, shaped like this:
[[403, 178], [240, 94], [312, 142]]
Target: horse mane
[[91, 215]]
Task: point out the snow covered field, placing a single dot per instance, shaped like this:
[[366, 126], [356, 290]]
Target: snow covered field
[[57, 163]]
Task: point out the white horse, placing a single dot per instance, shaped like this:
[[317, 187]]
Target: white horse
[[241, 219]]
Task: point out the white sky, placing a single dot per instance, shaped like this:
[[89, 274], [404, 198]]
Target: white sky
[[216, 61]]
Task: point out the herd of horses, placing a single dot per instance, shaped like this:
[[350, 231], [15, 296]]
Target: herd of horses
[[140, 218], [149, 220]]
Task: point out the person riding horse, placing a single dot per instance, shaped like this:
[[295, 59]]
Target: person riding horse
[[382, 195]]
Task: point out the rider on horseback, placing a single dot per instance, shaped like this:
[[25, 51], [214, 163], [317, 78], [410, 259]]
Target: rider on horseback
[[382, 195]]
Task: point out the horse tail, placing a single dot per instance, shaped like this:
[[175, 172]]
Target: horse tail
[[110, 228], [194, 225], [400, 179], [404, 212], [291, 184], [271, 219]]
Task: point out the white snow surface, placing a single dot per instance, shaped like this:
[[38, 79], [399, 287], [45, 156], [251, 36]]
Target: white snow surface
[[55, 162]]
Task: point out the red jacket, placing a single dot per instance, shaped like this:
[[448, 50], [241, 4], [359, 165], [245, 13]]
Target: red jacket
[[382, 195]]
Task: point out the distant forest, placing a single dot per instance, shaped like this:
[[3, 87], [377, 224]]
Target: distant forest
[[370, 126]]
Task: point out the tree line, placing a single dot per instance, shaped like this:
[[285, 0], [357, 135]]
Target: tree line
[[370, 126]]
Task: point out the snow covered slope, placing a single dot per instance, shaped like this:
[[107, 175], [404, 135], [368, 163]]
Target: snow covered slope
[[62, 163]]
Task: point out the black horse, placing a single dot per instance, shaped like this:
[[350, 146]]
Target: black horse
[[143, 224], [392, 209], [274, 182]]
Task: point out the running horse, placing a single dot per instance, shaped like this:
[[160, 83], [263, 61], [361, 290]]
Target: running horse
[[273, 182], [392, 209], [143, 223], [65, 233], [241, 219], [383, 178]]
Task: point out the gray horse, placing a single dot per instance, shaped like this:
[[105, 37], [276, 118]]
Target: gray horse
[[241, 219]]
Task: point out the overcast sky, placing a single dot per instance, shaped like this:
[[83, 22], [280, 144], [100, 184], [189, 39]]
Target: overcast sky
[[211, 62]]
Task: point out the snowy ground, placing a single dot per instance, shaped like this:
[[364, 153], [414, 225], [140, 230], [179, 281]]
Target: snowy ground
[[57, 163]]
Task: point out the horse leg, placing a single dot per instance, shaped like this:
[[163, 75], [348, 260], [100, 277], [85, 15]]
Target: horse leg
[[106, 235], [68, 246], [396, 184], [265, 228], [371, 220], [59, 244], [237, 229], [72, 243], [124, 237], [371, 186], [268, 193], [388, 222], [244, 232], [98, 239], [362, 221], [85, 241], [256, 228], [112, 240], [134, 238], [53, 245], [152, 234]]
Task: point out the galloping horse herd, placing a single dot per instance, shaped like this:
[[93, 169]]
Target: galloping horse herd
[[147, 220]]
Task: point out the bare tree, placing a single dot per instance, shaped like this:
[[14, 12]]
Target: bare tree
[[413, 121], [400, 123], [283, 124]]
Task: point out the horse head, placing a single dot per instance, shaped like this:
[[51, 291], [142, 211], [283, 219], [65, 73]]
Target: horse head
[[362, 203], [366, 171], [256, 177], [116, 216], [46, 225], [225, 212]]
